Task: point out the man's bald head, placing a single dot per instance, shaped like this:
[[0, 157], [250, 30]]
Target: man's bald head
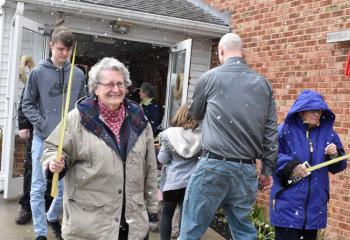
[[230, 45]]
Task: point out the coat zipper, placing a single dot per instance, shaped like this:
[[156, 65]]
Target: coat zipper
[[309, 177]]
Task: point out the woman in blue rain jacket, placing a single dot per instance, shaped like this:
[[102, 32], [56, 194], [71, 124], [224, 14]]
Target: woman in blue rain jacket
[[298, 200]]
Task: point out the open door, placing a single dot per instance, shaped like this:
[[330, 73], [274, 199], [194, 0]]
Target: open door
[[178, 79], [27, 38]]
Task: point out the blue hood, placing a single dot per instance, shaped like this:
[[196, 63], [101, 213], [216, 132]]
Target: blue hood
[[310, 100]]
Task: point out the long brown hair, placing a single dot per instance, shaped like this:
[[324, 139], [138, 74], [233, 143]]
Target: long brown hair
[[183, 118]]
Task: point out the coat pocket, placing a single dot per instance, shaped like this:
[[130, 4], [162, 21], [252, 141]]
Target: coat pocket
[[85, 219], [139, 200], [137, 217]]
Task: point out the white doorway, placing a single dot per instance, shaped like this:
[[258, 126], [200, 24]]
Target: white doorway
[[27, 39]]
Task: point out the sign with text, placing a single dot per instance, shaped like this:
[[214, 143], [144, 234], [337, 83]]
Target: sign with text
[[340, 36]]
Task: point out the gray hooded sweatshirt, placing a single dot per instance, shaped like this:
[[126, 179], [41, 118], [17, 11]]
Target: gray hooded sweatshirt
[[45, 93], [179, 153]]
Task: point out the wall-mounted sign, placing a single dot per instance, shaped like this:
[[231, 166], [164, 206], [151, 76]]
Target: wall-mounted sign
[[340, 36]]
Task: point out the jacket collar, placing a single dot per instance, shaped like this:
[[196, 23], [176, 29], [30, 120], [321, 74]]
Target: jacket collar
[[235, 60], [90, 119]]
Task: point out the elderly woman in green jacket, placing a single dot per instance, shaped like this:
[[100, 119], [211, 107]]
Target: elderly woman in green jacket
[[108, 161]]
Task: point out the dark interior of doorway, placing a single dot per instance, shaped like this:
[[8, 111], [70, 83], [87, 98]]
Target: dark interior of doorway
[[146, 62]]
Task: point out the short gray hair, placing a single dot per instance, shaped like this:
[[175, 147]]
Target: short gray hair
[[107, 63], [231, 41]]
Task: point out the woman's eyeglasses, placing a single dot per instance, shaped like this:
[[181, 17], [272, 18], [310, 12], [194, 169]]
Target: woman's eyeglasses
[[111, 85]]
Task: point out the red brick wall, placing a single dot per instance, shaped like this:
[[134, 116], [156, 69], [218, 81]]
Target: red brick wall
[[18, 167], [286, 42]]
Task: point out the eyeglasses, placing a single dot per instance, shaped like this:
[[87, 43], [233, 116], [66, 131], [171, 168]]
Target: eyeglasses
[[111, 85]]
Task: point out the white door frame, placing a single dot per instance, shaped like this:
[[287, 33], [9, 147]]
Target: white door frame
[[13, 187], [187, 46]]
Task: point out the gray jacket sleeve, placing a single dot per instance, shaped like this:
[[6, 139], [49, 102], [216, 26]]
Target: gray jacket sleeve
[[270, 139], [30, 102], [198, 107]]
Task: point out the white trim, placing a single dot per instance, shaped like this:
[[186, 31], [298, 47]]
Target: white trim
[[2, 21], [165, 121], [127, 37], [19, 10], [12, 186], [47, 47], [142, 18], [9, 130], [2, 27], [14, 189], [186, 45]]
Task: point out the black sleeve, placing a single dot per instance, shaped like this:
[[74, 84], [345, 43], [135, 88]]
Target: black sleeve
[[23, 121], [49, 174], [339, 166], [154, 118], [286, 172]]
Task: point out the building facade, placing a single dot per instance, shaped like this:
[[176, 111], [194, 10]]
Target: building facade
[[297, 45]]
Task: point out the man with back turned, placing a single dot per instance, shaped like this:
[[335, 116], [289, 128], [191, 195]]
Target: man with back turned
[[239, 126]]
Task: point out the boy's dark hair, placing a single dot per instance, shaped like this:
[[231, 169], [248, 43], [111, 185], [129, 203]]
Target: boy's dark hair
[[148, 88], [64, 35]]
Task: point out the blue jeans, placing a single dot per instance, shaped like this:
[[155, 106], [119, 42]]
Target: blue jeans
[[37, 194], [218, 183]]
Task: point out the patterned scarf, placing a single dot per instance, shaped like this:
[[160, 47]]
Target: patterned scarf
[[113, 119]]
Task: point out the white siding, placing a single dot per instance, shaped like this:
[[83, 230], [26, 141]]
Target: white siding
[[4, 62], [200, 62]]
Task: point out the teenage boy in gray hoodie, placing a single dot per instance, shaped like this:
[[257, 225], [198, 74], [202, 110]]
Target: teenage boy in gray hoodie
[[42, 104]]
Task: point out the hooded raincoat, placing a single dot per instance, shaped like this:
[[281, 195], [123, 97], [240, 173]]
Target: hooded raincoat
[[303, 205]]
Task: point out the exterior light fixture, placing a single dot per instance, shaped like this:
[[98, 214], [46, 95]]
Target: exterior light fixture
[[119, 26]]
